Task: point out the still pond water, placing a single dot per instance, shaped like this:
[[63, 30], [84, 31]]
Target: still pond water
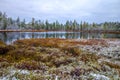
[[9, 37]]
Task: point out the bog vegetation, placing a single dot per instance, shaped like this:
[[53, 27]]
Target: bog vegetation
[[50, 58]]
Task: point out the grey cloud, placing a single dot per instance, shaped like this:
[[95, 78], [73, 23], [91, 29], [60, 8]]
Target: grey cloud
[[89, 10]]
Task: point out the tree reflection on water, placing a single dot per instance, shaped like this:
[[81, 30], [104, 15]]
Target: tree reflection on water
[[9, 37]]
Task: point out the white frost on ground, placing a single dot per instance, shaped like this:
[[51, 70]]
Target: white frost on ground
[[20, 71], [112, 50], [24, 72], [7, 78], [12, 73], [99, 77]]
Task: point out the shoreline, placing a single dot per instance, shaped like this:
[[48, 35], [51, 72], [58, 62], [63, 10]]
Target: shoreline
[[88, 31]]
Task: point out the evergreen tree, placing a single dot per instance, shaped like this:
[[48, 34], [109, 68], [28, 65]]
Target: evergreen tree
[[47, 25], [11, 21], [4, 23], [36, 25], [81, 26], [33, 23], [0, 16], [105, 26], [18, 22], [57, 25], [23, 24], [67, 26], [74, 25]]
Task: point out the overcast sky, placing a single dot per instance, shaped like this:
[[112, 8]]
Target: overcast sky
[[62, 10]]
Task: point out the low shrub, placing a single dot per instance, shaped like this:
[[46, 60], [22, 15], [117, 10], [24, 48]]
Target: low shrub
[[60, 62], [112, 65], [75, 51], [3, 50], [77, 72], [87, 57], [4, 64], [30, 65]]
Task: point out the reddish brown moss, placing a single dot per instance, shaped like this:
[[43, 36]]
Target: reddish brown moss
[[58, 43], [49, 42]]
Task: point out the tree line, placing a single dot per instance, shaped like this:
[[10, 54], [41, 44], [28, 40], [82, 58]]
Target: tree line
[[7, 23]]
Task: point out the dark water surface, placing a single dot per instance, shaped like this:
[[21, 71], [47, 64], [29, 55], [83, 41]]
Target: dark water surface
[[9, 37]]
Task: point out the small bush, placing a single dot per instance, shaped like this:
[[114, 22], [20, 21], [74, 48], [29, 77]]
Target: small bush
[[30, 65], [19, 54], [4, 64], [2, 43], [77, 72], [87, 57], [75, 51], [3, 50], [112, 65], [61, 61]]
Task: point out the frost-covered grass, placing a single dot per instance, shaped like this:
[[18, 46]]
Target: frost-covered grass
[[64, 59]]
